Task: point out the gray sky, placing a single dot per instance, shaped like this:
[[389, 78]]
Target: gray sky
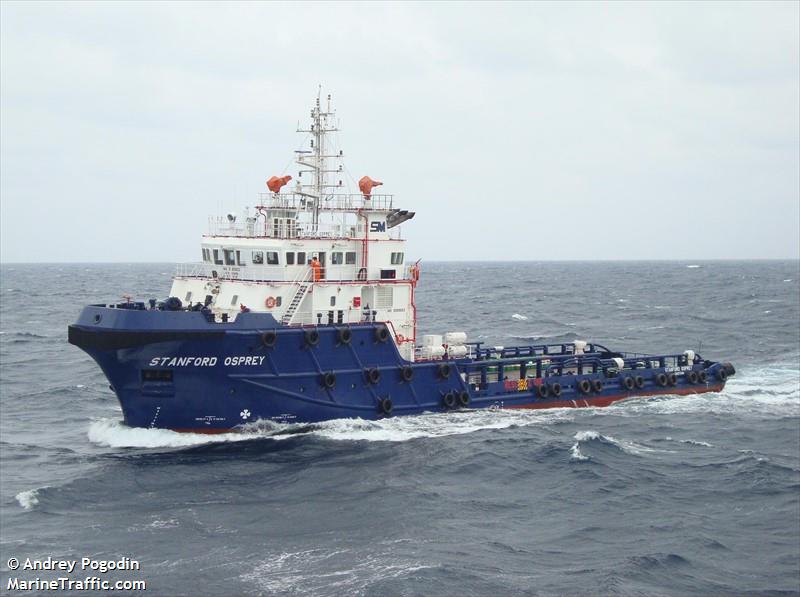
[[516, 131]]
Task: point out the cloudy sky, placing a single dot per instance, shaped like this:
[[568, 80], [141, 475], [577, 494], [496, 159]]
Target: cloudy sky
[[516, 131]]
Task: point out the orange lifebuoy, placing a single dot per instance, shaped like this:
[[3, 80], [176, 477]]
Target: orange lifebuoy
[[400, 338], [270, 302]]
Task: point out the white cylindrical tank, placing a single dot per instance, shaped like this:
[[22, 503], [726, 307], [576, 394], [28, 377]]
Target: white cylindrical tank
[[455, 338], [456, 352], [432, 340], [689, 356], [620, 363], [432, 352], [580, 345]]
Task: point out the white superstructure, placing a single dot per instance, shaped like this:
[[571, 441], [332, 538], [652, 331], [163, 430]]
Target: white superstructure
[[261, 259]]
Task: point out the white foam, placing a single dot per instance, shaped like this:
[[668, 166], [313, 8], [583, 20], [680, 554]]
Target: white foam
[[288, 572], [576, 454], [693, 266], [624, 445], [400, 429], [28, 499], [519, 317], [115, 434]]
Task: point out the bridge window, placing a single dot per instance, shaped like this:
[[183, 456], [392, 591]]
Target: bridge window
[[336, 258], [278, 301], [258, 257], [333, 301], [188, 298], [217, 260], [301, 258], [290, 258], [239, 258], [350, 258], [397, 258], [229, 258], [207, 255], [272, 258], [234, 300]]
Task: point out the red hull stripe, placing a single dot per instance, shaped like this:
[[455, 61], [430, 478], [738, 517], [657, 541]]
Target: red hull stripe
[[606, 400], [581, 403]]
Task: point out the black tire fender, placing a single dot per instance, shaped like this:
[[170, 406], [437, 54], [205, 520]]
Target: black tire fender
[[269, 338], [443, 371], [373, 375], [344, 336], [328, 380], [449, 400], [311, 337], [385, 406]]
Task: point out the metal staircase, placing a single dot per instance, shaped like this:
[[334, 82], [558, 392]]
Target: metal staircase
[[304, 283]]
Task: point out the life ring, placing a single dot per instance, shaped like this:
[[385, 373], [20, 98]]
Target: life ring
[[270, 302], [328, 380], [362, 274], [542, 391], [628, 382], [555, 389], [463, 398], [449, 400], [373, 375], [584, 386], [407, 374], [597, 386]]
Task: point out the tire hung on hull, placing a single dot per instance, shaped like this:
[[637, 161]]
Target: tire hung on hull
[[385, 406], [449, 400]]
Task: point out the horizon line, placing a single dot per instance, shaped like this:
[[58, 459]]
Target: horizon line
[[654, 259]]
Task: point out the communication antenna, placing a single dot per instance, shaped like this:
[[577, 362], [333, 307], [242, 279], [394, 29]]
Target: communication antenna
[[315, 160]]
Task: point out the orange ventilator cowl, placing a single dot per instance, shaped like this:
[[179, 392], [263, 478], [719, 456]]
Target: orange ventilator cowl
[[275, 183], [366, 184]]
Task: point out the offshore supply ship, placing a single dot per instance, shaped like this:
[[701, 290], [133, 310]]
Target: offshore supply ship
[[303, 310]]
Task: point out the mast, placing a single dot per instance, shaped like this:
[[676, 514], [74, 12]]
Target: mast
[[315, 161]]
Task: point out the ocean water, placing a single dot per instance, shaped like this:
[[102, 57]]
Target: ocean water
[[663, 496]]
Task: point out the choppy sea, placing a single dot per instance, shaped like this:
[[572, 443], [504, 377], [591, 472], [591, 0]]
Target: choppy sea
[[663, 496]]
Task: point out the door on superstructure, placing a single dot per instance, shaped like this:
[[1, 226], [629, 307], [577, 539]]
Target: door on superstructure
[[321, 257], [367, 302]]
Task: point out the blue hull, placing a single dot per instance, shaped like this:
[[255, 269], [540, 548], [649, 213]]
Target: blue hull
[[177, 370]]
